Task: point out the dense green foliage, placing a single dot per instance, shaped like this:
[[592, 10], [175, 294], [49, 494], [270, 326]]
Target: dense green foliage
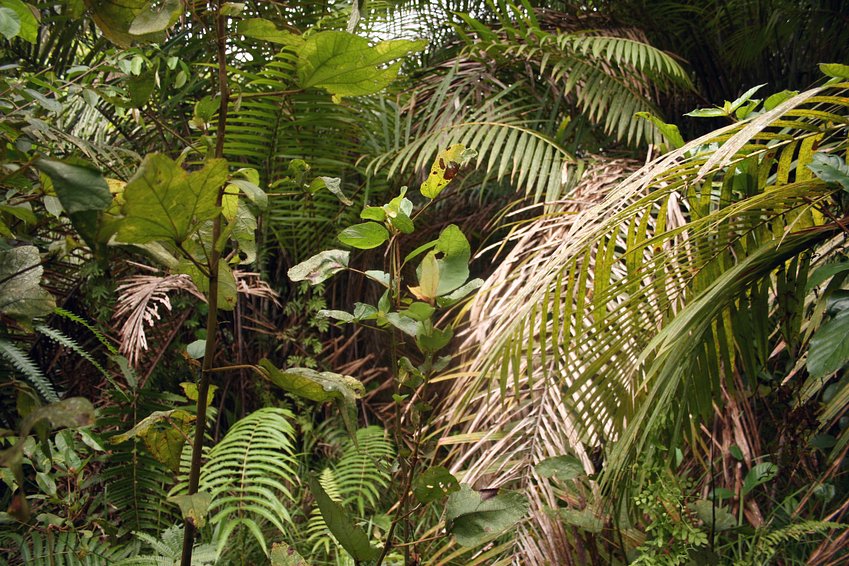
[[402, 282]]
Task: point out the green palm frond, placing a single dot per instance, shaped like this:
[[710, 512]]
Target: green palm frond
[[358, 480], [629, 321], [134, 482], [520, 96], [63, 339], [70, 549], [21, 362], [249, 473]]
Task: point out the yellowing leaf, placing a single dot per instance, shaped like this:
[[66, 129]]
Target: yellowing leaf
[[429, 277], [447, 163], [164, 433], [193, 507]]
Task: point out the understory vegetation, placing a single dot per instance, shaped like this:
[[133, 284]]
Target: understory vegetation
[[402, 282]]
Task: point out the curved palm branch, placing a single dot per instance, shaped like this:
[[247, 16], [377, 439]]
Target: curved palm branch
[[628, 329]]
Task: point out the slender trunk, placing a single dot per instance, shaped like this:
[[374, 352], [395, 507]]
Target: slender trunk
[[212, 314]]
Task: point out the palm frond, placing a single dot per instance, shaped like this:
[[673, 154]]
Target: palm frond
[[628, 321]]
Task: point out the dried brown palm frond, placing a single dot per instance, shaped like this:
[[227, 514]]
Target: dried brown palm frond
[[624, 324], [250, 284], [531, 424], [140, 298]]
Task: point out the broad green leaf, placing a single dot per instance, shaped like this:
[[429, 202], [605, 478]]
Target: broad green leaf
[[418, 311], [244, 233], [364, 236], [829, 348], [459, 293], [445, 168], [835, 70], [251, 190], [380, 276], [75, 412], [474, 521], [193, 507], [27, 23], [363, 311], [320, 267], [775, 99], [744, 98], [205, 108], [80, 188], [403, 323], [318, 386], [139, 88], [759, 474], [433, 484], [265, 30], [398, 211], [346, 65], [158, 19], [564, 468], [434, 340], [21, 294], [352, 538], [825, 272], [10, 23], [342, 316], [84, 195], [454, 263], [116, 19], [284, 555], [227, 288], [164, 433], [164, 203], [232, 8], [714, 515], [584, 519], [375, 213], [831, 169]]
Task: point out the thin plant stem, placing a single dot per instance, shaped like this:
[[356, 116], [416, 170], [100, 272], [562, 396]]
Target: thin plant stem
[[212, 313]]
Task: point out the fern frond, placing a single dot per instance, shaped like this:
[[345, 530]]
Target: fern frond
[[362, 472], [168, 549], [91, 328], [248, 475], [134, 482], [63, 339], [769, 544], [31, 372], [70, 549]]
